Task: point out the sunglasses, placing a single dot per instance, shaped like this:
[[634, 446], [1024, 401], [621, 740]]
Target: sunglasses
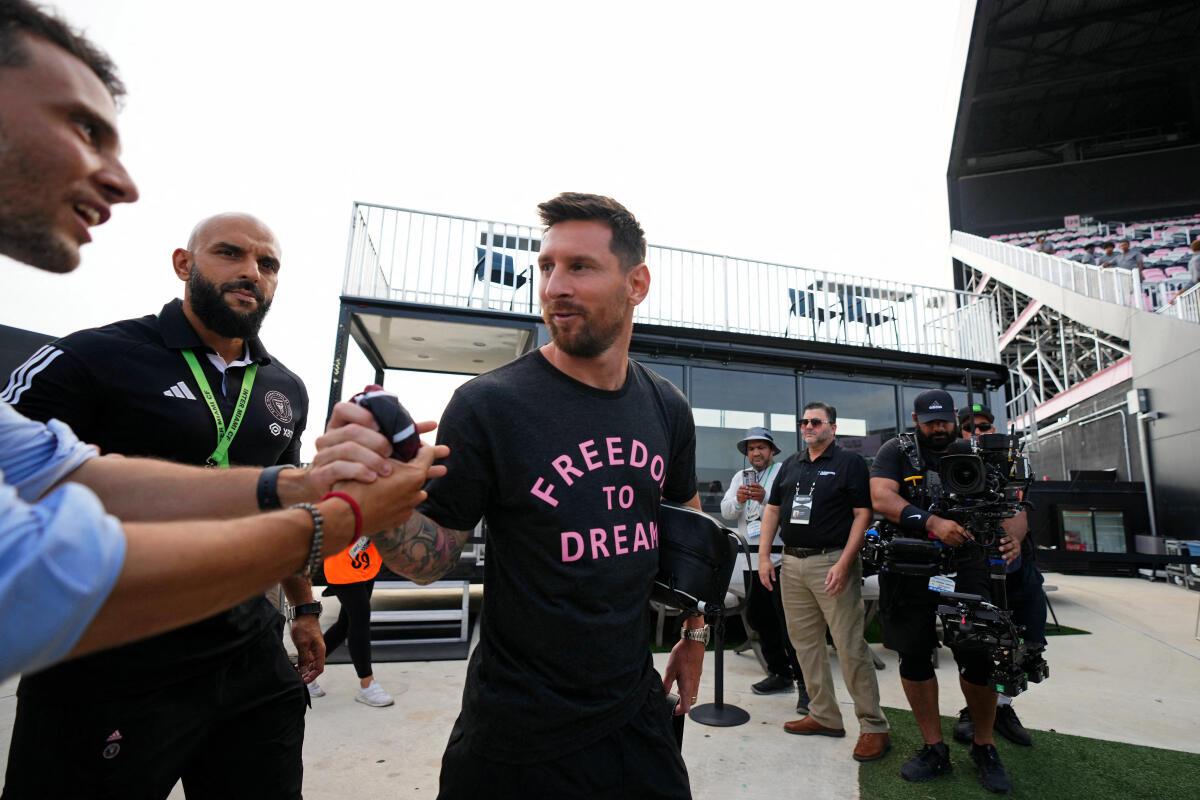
[[983, 426], [814, 422]]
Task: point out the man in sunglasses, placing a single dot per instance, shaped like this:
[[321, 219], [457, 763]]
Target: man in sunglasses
[[1023, 590], [908, 603], [822, 498]]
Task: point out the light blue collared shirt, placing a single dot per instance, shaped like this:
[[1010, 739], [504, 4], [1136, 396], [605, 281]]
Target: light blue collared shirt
[[60, 554]]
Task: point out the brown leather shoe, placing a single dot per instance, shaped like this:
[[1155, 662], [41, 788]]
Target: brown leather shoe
[[872, 746], [807, 726]]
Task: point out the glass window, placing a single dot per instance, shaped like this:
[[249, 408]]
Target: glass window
[[1078, 535], [1110, 531], [725, 402], [1093, 531], [866, 412]]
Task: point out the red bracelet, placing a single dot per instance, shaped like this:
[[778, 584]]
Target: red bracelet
[[358, 523]]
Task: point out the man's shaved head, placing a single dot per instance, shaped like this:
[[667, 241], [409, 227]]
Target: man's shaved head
[[211, 227]]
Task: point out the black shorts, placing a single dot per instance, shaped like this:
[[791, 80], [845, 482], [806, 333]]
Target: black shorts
[[235, 732], [908, 607], [640, 759]]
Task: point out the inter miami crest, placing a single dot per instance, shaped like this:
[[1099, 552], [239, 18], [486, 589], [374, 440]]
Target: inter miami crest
[[279, 406]]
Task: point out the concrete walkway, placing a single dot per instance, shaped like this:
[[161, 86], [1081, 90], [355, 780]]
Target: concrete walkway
[[1135, 679]]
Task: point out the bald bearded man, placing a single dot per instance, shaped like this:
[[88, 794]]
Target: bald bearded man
[[216, 703]]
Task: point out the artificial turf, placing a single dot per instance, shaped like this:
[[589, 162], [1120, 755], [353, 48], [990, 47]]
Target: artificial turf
[[1057, 767]]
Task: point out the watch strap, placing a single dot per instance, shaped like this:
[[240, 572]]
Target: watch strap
[[695, 634], [313, 608], [268, 488]]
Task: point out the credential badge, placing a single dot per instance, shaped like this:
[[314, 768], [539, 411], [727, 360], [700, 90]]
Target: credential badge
[[279, 406]]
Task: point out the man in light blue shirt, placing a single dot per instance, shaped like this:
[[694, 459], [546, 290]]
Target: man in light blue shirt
[[88, 558], [59, 557]]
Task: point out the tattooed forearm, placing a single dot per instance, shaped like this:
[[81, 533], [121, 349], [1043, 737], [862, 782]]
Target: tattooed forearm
[[421, 550]]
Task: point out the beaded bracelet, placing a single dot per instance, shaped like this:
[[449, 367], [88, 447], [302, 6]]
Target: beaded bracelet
[[314, 554]]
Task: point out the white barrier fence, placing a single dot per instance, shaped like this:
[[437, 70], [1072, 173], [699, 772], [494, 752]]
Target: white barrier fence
[[1124, 287], [411, 256], [1185, 306]]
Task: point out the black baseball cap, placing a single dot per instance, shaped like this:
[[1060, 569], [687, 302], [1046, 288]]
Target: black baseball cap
[[934, 404], [976, 410]]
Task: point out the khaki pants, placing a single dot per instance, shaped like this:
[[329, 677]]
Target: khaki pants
[[808, 609]]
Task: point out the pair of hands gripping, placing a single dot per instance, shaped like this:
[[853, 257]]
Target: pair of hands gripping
[[356, 455]]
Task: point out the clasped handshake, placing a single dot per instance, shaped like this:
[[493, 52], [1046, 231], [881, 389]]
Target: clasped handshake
[[355, 457]]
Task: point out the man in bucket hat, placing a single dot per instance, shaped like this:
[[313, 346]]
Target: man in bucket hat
[[743, 503]]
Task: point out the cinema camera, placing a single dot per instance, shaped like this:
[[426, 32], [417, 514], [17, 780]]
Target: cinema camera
[[971, 623], [978, 484]]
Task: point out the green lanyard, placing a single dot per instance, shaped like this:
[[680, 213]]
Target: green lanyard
[[220, 456]]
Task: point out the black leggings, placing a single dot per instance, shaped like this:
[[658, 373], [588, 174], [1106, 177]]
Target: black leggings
[[353, 623]]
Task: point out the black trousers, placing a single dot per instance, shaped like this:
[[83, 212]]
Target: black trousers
[[765, 611], [353, 623], [1027, 600], [639, 760], [908, 611], [234, 733]]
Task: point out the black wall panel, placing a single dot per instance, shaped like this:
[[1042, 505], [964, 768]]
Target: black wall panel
[[1128, 188]]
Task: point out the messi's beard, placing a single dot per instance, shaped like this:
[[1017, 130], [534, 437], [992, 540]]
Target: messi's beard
[[208, 301]]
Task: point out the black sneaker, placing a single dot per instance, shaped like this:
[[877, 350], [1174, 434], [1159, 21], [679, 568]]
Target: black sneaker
[[929, 762], [802, 701], [773, 684], [1009, 726], [964, 729], [991, 771]]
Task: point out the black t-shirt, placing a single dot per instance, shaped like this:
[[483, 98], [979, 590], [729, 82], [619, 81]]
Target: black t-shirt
[[838, 484], [126, 388], [569, 478], [891, 462]]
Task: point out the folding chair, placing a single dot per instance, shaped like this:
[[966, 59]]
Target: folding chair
[[855, 311], [804, 304], [503, 273]]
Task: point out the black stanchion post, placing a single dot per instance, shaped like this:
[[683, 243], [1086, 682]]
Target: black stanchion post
[[717, 713]]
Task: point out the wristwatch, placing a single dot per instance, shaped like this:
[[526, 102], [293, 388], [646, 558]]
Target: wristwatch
[[695, 634], [313, 608]]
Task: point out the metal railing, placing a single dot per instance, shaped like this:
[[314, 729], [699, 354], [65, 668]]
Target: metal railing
[[1111, 284], [436, 259], [1185, 305]]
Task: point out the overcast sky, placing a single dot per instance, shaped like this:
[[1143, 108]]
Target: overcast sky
[[814, 134]]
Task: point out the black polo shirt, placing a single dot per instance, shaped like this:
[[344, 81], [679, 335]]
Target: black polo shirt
[[838, 483], [126, 388]]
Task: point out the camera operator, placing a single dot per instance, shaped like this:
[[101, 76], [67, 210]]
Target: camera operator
[[1023, 584], [902, 470], [743, 503]]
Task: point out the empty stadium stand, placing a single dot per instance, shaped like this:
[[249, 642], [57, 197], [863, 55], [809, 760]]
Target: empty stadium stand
[[1080, 123]]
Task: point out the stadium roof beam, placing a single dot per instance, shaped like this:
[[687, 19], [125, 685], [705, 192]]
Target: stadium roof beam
[[1126, 12], [1069, 80]]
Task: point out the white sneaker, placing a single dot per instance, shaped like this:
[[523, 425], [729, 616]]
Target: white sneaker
[[374, 695], [315, 690]]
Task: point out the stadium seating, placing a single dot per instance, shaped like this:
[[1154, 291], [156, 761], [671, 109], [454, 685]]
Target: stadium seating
[[1165, 245]]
